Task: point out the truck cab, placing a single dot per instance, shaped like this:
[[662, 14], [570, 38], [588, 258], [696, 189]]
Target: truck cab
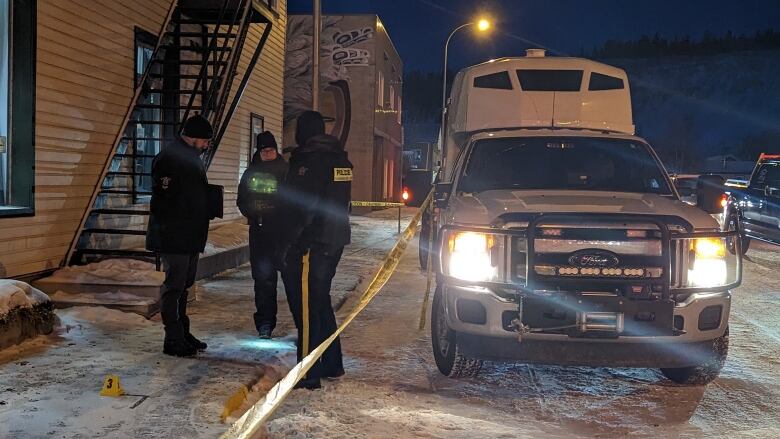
[[754, 206], [560, 238]]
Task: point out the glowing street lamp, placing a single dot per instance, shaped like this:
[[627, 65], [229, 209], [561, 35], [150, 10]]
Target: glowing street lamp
[[483, 25]]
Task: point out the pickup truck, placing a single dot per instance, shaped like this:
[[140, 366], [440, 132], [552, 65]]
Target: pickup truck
[[753, 206], [560, 238]]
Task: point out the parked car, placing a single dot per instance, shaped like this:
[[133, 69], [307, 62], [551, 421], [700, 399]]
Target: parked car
[[753, 207]]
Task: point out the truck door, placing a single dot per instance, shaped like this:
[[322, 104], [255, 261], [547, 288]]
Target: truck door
[[771, 207], [755, 211]]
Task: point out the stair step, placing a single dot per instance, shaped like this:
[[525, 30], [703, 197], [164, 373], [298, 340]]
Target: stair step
[[225, 22], [174, 75], [160, 107], [187, 62], [106, 211], [116, 252], [115, 232], [180, 92], [133, 156], [154, 122], [200, 34], [196, 48], [124, 192], [128, 173]]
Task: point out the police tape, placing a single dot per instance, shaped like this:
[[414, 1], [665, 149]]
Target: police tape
[[251, 421], [376, 204]]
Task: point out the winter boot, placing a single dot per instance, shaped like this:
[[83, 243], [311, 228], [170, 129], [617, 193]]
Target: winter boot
[[197, 344], [265, 332], [178, 348], [309, 384]]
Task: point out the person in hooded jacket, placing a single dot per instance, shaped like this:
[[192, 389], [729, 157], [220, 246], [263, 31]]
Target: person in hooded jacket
[[178, 227], [258, 202], [317, 193]]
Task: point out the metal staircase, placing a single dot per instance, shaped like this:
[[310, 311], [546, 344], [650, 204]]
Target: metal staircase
[[191, 71]]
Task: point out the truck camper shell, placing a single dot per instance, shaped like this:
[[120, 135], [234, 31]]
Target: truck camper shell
[[537, 92]]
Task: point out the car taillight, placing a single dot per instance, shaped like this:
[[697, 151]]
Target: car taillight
[[724, 200]]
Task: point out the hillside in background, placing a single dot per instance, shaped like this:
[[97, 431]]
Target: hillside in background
[[692, 107]]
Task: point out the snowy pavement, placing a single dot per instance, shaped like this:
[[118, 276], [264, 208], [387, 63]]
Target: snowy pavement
[[49, 386], [393, 389]]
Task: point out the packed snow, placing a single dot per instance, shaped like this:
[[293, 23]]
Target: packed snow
[[16, 294], [109, 272], [227, 236]]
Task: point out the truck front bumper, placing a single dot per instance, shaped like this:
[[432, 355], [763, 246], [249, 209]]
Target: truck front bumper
[[479, 317]]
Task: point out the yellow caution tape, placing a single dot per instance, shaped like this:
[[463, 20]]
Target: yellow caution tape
[[259, 413], [305, 303], [376, 204], [428, 277]]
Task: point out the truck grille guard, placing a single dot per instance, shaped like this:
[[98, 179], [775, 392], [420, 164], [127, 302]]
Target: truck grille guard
[[672, 261]]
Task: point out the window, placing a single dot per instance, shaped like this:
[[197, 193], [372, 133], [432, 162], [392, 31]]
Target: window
[[147, 143], [550, 80], [562, 163], [599, 82], [768, 175], [392, 97], [498, 81], [256, 126], [380, 91], [17, 106]]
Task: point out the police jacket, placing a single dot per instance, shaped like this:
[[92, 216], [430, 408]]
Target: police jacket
[[179, 220], [258, 197], [317, 193]]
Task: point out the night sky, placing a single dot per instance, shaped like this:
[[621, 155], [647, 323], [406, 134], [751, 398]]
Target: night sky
[[419, 28]]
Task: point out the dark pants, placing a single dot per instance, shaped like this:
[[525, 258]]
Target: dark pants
[[323, 261], [261, 251], [180, 272]]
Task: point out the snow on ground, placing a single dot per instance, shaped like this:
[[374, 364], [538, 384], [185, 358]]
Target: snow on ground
[[226, 236], [50, 386], [109, 272], [15, 294]]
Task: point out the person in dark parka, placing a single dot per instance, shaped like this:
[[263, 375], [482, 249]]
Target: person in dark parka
[[316, 195], [258, 202], [178, 227]]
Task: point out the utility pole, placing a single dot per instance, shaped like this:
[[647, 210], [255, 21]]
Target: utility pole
[[315, 65]]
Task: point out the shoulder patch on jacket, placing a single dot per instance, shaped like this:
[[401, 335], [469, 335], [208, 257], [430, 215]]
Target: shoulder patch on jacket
[[342, 174]]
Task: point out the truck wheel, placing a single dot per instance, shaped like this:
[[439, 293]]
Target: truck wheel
[[707, 370], [744, 240], [448, 357]]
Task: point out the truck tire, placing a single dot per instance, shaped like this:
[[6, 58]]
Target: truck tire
[[450, 361], [705, 372], [744, 240]]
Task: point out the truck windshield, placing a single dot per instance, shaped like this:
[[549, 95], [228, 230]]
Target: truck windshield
[[558, 163]]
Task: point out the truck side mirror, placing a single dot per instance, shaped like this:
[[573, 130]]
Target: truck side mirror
[[709, 193], [441, 194]]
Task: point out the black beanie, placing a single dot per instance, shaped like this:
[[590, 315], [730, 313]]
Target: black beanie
[[266, 140], [198, 127], [310, 124]]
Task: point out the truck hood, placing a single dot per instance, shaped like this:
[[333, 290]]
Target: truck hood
[[484, 208]]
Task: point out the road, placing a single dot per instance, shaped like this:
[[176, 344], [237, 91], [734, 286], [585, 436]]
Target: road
[[393, 389]]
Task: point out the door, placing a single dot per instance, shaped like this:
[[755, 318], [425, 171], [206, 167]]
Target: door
[[771, 207], [755, 211]]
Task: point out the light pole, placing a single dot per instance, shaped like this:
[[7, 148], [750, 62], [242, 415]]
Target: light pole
[[482, 25]]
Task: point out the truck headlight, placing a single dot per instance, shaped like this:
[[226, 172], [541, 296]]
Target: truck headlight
[[469, 256], [708, 265]]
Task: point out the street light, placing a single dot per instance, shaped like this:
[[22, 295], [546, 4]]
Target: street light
[[483, 25]]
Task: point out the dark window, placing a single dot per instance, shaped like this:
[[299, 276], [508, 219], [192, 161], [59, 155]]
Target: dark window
[[17, 106], [562, 163], [146, 130], [550, 80], [599, 82], [499, 81], [768, 175]]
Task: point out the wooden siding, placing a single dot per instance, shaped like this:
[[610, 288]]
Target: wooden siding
[[84, 83]]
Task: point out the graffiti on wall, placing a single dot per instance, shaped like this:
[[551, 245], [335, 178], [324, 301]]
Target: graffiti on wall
[[343, 46]]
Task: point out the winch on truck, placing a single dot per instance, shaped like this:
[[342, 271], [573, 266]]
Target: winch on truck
[[559, 237]]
